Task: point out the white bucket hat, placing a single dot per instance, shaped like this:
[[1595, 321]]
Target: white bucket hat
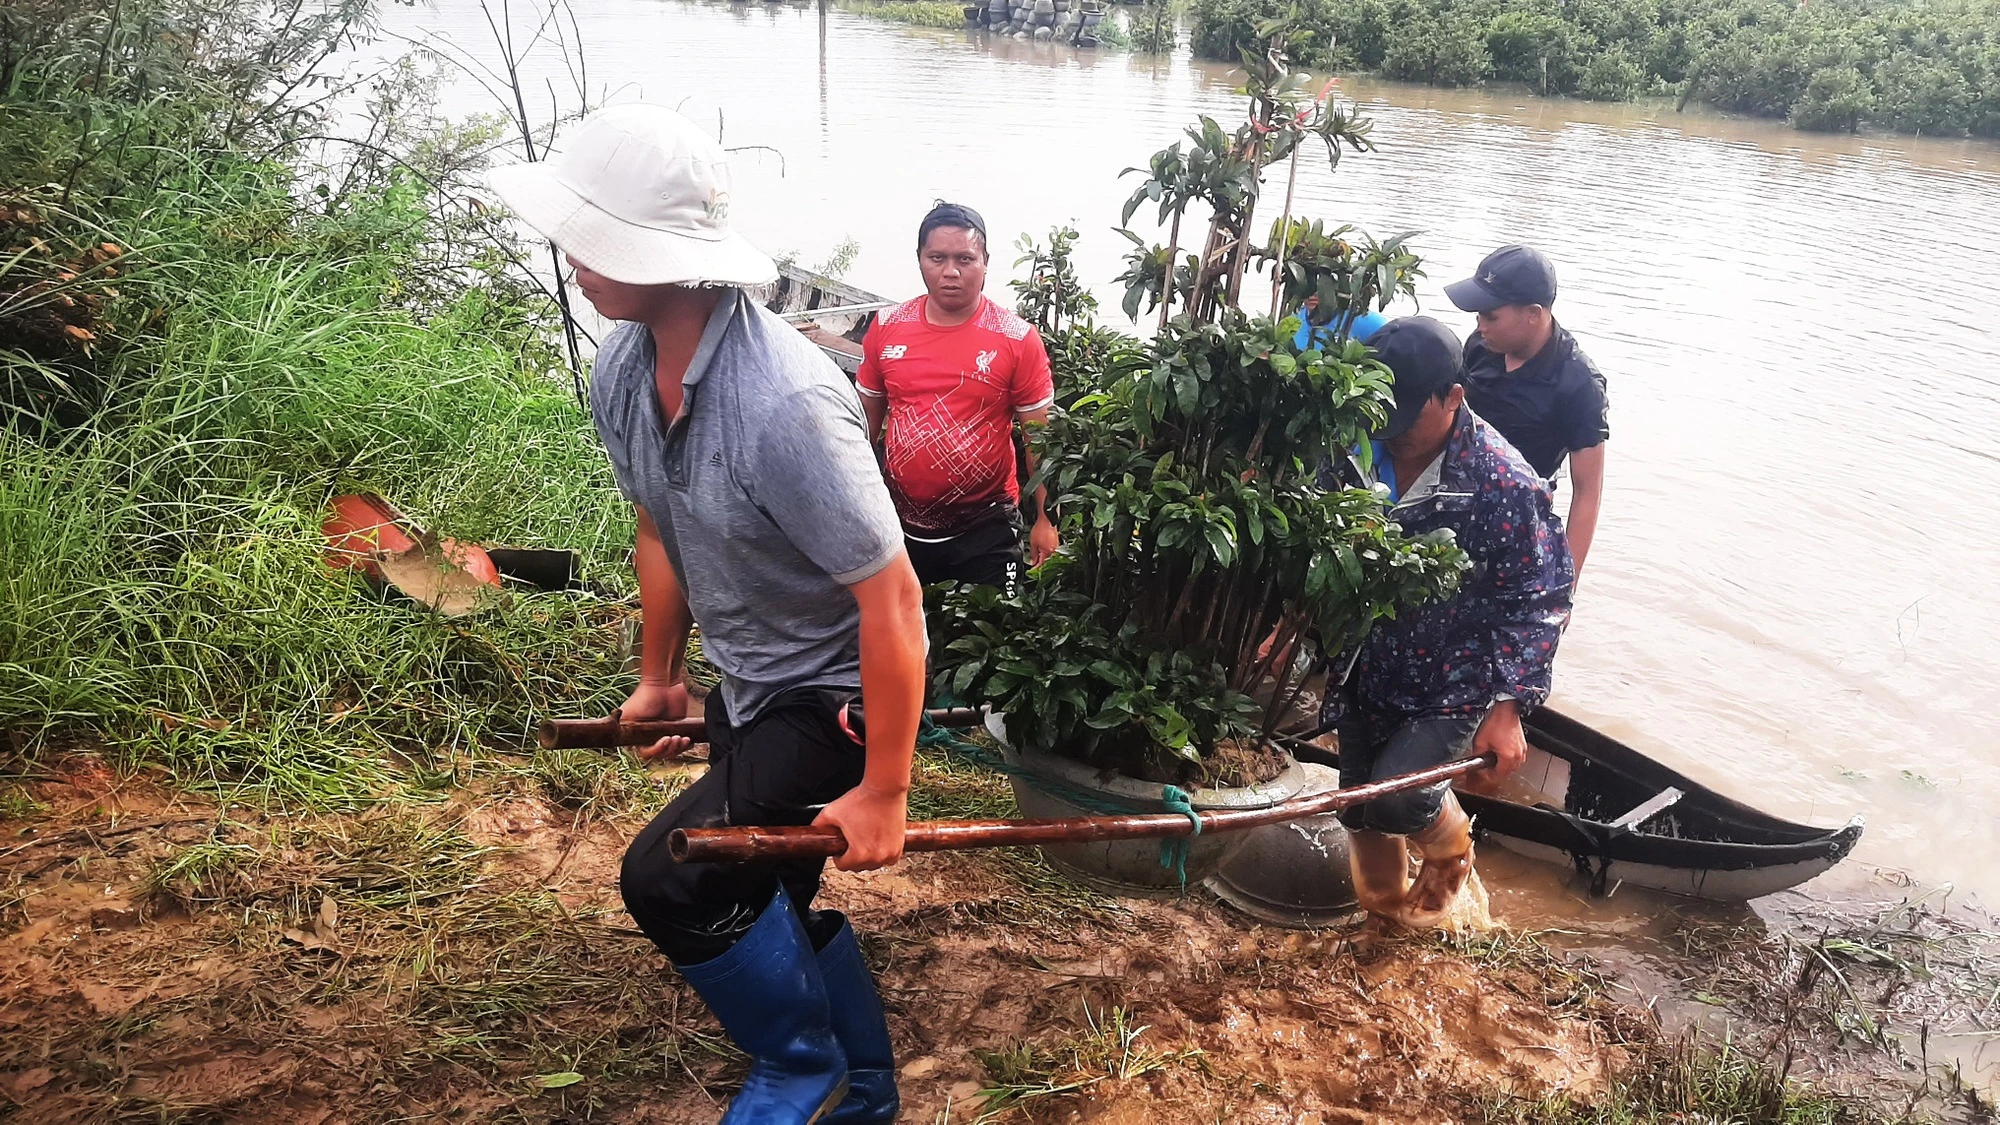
[[641, 195]]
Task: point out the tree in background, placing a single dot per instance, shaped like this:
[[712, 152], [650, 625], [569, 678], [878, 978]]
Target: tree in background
[[1932, 68]]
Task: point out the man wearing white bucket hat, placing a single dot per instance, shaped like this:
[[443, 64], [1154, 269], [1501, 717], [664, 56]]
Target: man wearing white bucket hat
[[764, 519]]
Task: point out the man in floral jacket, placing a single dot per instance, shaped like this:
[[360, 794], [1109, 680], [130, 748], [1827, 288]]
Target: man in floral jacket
[[1451, 679]]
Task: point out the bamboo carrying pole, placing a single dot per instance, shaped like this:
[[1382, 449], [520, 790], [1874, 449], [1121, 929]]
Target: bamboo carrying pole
[[562, 734], [737, 845]]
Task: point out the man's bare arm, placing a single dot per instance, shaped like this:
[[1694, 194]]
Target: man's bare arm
[[876, 408], [664, 621], [1586, 478], [874, 814], [1042, 538]]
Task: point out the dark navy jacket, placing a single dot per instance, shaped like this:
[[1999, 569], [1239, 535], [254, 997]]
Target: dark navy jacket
[[1497, 636]]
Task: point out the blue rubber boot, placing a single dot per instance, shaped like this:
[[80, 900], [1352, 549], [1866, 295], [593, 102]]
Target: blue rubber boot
[[768, 993], [856, 1008]]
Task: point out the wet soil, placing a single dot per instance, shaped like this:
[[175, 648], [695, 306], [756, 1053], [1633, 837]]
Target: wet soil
[[470, 960], [165, 958]]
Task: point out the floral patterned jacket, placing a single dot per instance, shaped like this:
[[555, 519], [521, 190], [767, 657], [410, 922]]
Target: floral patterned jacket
[[1497, 636]]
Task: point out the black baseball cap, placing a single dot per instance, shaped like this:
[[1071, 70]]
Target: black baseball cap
[[1511, 275], [1425, 358]]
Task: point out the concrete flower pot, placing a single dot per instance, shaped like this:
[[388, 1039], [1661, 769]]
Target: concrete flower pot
[[1048, 786]]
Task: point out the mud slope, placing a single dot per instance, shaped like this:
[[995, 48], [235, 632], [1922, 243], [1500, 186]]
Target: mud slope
[[161, 958]]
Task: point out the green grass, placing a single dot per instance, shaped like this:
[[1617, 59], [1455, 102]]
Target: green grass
[[17, 804], [1108, 1047], [917, 13], [593, 781], [164, 590], [205, 871], [947, 788], [271, 332]]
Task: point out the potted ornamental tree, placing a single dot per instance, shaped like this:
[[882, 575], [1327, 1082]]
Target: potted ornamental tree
[[1207, 571]]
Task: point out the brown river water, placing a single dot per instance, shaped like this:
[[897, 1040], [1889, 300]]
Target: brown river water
[[1792, 594]]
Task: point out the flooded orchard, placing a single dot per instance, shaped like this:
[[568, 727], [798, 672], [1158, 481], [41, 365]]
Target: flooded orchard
[[1791, 593]]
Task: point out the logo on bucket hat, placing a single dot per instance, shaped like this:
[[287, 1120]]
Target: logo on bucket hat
[[639, 194]]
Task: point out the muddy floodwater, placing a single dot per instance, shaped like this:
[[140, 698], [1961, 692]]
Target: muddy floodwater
[[1792, 595]]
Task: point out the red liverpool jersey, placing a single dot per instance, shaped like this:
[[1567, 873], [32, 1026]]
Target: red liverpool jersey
[[953, 396]]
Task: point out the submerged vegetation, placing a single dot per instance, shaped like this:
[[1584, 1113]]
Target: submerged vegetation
[[1930, 68], [916, 13]]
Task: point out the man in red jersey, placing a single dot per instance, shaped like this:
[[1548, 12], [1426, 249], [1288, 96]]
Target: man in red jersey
[[952, 374]]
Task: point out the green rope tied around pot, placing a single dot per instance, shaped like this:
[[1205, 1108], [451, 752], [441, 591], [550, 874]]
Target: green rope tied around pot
[[1174, 849]]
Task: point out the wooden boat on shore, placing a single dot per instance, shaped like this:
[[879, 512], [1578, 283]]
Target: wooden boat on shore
[[1588, 802], [832, 314]]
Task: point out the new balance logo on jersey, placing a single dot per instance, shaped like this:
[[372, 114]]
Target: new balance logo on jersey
[[895, 351]]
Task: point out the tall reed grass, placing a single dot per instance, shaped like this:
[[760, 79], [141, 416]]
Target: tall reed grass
[[162, 584]]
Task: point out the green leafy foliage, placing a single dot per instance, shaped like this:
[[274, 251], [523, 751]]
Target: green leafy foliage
[[1538, 47], [916, 13], [1056, 302], [1837, 100], [1446, 51], [1074, 680], [1113, 31], [1196, 529], [1155, 29], [1347, 270], [1612, 76], [1051, 293]]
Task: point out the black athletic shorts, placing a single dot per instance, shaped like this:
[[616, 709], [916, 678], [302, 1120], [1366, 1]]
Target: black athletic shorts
[[987, 553]]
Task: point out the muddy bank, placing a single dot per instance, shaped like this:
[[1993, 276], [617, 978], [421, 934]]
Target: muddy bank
[[1863, 982], [165, 958]]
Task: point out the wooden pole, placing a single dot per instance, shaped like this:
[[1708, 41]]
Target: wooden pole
[[742, 844], [560, 734]]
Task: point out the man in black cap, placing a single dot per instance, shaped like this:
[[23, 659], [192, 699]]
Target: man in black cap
[[1526, 376], [1452, 679]]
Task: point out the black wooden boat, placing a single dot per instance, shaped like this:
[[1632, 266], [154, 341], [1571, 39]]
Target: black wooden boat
[[1584, 801], [1588, 801]]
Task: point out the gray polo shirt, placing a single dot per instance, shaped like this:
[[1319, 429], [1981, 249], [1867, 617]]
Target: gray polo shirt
[[766, 493]]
